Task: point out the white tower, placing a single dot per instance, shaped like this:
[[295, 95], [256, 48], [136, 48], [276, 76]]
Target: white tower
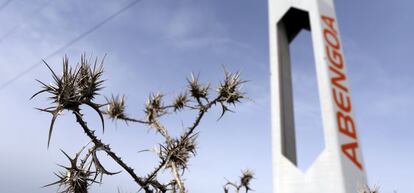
[[339, 168]]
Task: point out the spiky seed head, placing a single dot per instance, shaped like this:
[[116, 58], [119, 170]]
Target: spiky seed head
[[77, 180], [74, 178], [196, 89], [116, 107], [154, 107], [229, 89], [89, 78], [180, 101], [245, 179], [367, 189], [73, 88], [67, 95], [84, 78], [179, 151]]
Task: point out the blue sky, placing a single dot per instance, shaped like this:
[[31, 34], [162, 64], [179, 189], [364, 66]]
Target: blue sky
[[156, 44]]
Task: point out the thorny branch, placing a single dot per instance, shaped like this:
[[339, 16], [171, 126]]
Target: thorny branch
[[245, 180], [367, 189], [80, 86], [107, 149]]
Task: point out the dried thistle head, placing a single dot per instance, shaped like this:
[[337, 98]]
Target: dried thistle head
[[197, 90], [154, 107], [63, 93], [367, 189], [116, 107], [74, 178], [64, 89], [180, 101], [179, 151], [229, 89], [89, 78], [245, 179], [73, 88]]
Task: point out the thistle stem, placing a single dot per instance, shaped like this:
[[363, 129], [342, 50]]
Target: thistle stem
[[202, 110], [177, 178], [106, 148]]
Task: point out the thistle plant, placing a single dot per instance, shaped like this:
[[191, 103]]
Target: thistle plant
[[244, 183], [73, 88], [75, 178], [367, 189], [80, 86]]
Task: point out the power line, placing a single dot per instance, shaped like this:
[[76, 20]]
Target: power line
[[5, 4], [31, 15], [79, 37]]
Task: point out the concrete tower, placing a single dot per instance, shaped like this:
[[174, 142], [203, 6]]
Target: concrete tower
[[339, 168]]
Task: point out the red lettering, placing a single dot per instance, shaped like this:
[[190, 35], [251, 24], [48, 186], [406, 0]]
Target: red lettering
[[335, 57], [346, 125], [338, 78], [331, 38], [350, 151], [329, 21], [340, 102], [344, 120]]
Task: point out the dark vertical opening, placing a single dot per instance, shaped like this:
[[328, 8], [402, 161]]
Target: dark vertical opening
[[302, 133]]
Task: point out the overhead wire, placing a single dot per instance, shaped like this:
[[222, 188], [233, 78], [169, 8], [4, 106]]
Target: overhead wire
[[71, 42]]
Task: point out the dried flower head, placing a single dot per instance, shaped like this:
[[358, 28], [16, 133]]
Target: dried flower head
[[197, 90], [154, 107], [178, 151], [75, 178], [180, 101], [247, 176], [116, 107], [367, 189], [89, 82], [229, 89], [73, 88]]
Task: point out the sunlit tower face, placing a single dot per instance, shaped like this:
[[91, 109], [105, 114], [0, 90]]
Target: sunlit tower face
[[339, 167]]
